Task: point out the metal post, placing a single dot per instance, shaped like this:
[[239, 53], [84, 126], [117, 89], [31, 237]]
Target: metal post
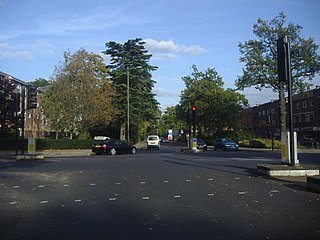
[[291, 128], [17, 102], [128, 106], [22, 120]]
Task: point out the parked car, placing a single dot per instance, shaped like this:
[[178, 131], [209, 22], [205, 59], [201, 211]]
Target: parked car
[[201, 144], [153, 141], [225, 144], [164, 140], [113, 146]]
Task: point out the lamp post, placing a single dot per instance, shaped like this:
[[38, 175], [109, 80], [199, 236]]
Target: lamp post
[[128, 105]]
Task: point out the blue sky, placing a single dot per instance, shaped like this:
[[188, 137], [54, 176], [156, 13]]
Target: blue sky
[[178, 33]]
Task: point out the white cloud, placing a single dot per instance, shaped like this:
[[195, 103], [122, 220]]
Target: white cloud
[[8, 52], [171, 50]]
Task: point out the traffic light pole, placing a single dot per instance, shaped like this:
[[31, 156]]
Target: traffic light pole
[[23, 110]]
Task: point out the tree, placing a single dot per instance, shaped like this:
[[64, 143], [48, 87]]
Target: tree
[[131, 58], [260, 59], [80, 94], [217, 109], [40, 82], [7, 105]]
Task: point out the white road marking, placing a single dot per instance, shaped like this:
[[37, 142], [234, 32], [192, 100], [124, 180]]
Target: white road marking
[[165, 181], [188, 180], [44, 202], [142, 182], [118, 183], [78, 200], [145, 198], [210, 179], [92, 184], [210, 194], [241, 193], [12, 203], [16, 186], [112, 199], [177, 196], [41, 186]]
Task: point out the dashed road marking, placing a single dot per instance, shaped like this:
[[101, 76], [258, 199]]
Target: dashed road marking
[[16, 186], [210, 179], [44, 202], [177, 196], [142, 182], [78, 200], [145, 198], [112, 199]]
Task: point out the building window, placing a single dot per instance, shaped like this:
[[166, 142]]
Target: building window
[[304, 104], [311, 103], [298, 105], [308, 117]]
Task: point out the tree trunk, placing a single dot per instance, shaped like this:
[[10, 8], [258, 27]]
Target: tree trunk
[[123, 131]]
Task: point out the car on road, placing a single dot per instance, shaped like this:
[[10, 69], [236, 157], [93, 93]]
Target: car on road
[[201, 144], [225, 144], [113, 147], [153, 141], [165, 140]]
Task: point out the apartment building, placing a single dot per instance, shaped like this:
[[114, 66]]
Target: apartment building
[[264, 119]]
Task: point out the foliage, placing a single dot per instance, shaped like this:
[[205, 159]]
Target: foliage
[[80, 94], [130, 60], [170, 119], [259, 143], [40, 82], [7, 105], [260, 56], [217, 109]]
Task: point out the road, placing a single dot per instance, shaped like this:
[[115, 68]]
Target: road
[[156, 195]]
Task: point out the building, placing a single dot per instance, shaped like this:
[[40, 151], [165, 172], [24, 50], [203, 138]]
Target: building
[[264, 119], [35, 124]]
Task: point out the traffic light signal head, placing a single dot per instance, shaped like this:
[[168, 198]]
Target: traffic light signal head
[[32, 97], [193, 108]]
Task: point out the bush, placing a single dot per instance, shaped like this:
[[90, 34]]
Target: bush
[[44, 144], [260, 143]]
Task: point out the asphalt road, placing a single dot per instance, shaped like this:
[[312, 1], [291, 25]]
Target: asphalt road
[[156, 195]]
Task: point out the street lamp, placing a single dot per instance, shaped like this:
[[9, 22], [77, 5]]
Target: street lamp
[[128, 100]]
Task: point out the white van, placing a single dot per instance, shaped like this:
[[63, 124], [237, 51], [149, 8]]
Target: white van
[[153, 141]]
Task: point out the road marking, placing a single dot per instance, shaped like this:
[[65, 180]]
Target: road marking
[[241, 193], [44, 202], [16, 186], [112, 199], [118, 183], [210, 179], [210, 194], [92, 184], [188, 180], [142, 182], [166, 181], [12, 203], [177, 196], [274, 191], [78, 200], [145, 198], [41, 186], [66, 185]]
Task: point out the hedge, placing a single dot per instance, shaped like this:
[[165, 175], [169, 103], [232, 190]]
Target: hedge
[[44, 144]]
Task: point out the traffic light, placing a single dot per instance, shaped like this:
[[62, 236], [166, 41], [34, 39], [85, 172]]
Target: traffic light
[[283, 55], [32, 97]]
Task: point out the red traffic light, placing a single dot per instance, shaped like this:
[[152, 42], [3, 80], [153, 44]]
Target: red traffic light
[[193, 108]]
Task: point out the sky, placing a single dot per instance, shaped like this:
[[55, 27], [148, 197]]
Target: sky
[[34, 34]]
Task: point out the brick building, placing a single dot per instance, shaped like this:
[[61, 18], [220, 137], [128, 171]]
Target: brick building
[[264, 119]]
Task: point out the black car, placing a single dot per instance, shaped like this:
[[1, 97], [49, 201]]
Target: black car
[[113, 146], [225, 144]]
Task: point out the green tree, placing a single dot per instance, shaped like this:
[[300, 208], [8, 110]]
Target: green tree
[[131, 59], [80, 94], [217, 109], [260, 59], [171, 120], [40, 82]]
